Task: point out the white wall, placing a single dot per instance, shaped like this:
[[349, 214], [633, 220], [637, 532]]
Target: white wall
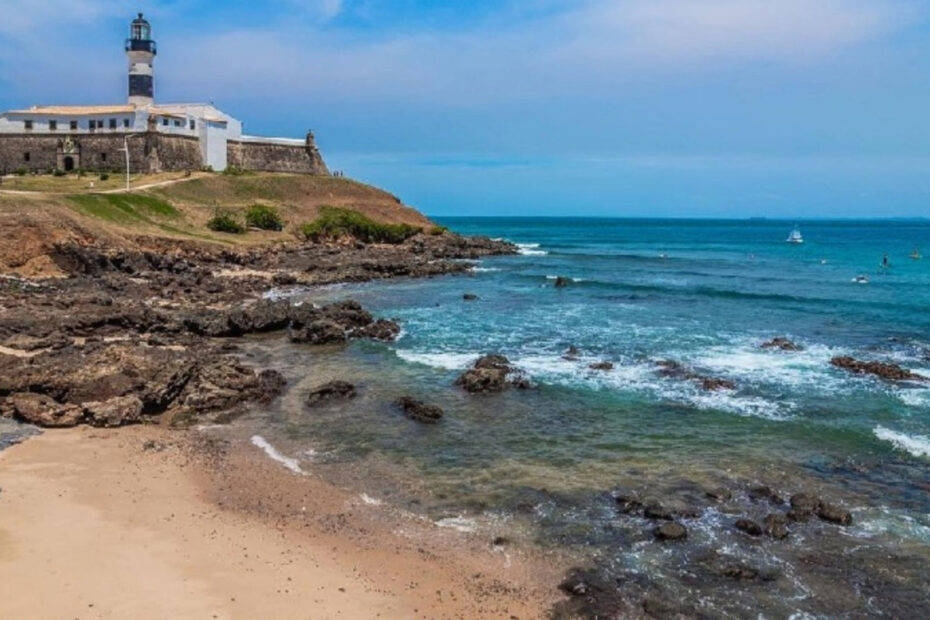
[[16, 123], [213, 145]]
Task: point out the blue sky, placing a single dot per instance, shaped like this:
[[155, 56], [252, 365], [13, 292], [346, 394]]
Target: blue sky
[[791, 108]]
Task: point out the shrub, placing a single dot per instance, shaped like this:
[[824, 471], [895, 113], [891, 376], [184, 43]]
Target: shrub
[[264, 217], [206, 169], [225, 222], [234, 171], [104, 176], [21, 171], [58, 172], [81, 172], [334, 223], [438, 230]]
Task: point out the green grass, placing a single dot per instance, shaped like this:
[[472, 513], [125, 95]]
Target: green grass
[[124, 208], [334, 223]]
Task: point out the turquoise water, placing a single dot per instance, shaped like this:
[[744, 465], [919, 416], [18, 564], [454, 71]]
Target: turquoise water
[[541, 463]]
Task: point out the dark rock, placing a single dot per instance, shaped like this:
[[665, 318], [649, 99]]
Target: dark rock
[[720, 494], [601, 366], [676, 370], [283, 278], [776, 526], [834, 514], [45, 411], [739, 572], [419, 411], [748, 526], [656, 510], [888, 372], [493, 362], [803, 506], [626, 503], [384, 330], [271, 385], [117, 411], [349, 314], [492, 374], [500, 541], [671, 531], [332, 391], [561, 282], [763, 493], [782, 344], [572, 354], [323, 331], [470, 297]]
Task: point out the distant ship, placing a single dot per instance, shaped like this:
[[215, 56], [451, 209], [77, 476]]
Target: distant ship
[[915, 254], [795, 237]]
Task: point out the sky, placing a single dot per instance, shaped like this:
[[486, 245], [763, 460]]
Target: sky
[[678, 108]]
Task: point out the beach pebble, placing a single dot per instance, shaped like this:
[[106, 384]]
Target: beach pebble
[[671, 531], [834, 514]]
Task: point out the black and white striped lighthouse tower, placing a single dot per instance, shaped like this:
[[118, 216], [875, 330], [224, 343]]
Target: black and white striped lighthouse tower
[[141, 50]]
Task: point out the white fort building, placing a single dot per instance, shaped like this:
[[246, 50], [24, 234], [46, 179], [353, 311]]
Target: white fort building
[[159, 137]]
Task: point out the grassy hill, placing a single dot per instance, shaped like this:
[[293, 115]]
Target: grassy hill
[[38, 212]]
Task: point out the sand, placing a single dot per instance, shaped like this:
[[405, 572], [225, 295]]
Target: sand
[[149, 523]]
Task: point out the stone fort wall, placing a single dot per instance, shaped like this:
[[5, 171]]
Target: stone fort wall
[[149, 152]]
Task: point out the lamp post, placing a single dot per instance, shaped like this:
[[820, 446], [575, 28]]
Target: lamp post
[[125, 149]]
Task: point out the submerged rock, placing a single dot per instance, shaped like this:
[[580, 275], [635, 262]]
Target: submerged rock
[[888, 372], [601, 366], [834, 514], [323, 331], [671, 531], [470, 297], [419, 411], [331, 391], [803, 506], [764, 493], [782, 344], [749, 527], [676, 370], [572, 354], [720, 494], [561, 282]]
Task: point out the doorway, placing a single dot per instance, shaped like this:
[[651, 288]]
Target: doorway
[[69, 163]]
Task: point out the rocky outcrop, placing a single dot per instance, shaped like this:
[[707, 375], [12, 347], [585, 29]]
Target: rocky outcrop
[[782, 344], [601, 366], [322, 331], [676, 370], [117, 411], [886, 371], [45, 411], [419, 411], [492, 374], [332, 391], [384, 330]]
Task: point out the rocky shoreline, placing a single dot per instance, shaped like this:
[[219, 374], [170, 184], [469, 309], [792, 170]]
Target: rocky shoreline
[[138, 336]]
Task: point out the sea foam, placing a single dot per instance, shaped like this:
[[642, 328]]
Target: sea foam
[[273, 454], [916, 445], [530, 249]]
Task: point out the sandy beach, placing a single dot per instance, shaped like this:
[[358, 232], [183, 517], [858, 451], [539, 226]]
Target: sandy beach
[[147, 523]]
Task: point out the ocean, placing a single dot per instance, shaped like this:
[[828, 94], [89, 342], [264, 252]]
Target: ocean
[[541, 467]]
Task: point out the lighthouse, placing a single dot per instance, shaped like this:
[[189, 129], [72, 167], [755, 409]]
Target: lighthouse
[[141, 50]]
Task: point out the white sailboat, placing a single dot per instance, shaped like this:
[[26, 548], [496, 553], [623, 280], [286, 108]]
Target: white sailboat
[[795, 236]]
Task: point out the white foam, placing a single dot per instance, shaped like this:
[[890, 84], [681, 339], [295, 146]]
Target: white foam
[[460, 524], [445, 361], [913, 397], [273, 454], [484, 269], [916, 445], [530, 249], [371, 501]]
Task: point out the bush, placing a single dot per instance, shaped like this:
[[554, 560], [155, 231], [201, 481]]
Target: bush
[[225, 222], [104, 176], [21, 171], [264, 217], [234, 171], [206, 169], [58, 172], [334, 223], [438, 230]]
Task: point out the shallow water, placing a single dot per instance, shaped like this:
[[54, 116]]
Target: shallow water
[[538, 465]]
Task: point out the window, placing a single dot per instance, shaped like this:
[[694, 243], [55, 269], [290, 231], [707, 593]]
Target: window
[[177, 123], [28, 125], [92, 124], [53, 125], [112, 123], [73, 125], [26, 156], [126, 123], [103, 156], [164, 121], [193, 124]]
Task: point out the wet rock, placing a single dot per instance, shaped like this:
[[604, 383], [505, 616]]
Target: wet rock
[[803, 506], [384, 330], [627, 503], [739, 572], [330, 392], [117, 411], [45, 411], [222, 383], [834, 514], [271, 384], [349, 314], [561, 282], [500, 541], [749, 527], [492, 374], [888, 372], [470, 297], [323, 331], [776, 526], [655, 510], [601, 366], [782, 344], [720, 494], [419, 411], [764, 493], [572, 354], [283, 278], [676, 370], [671, 531]]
